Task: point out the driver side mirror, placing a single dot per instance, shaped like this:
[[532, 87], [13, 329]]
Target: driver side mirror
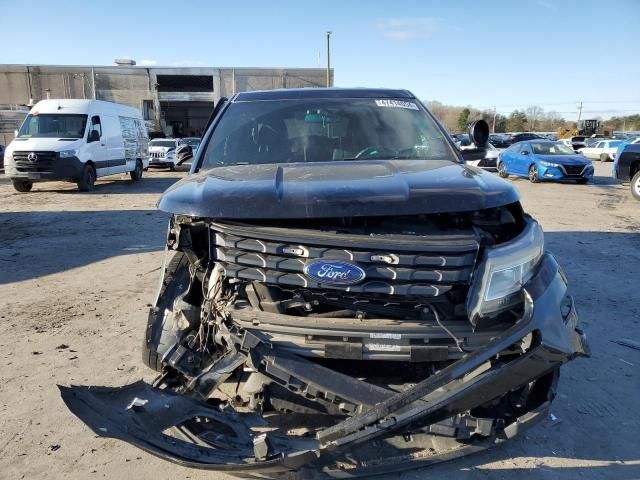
[[94, 136]]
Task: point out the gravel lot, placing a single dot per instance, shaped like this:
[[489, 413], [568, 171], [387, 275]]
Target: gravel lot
[[77, 272]]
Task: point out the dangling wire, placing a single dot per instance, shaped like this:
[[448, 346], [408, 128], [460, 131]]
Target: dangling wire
[[449, 332]]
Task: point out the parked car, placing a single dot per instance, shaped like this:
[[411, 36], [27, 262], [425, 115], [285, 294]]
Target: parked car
[[162, 152], [578, 142], [333, 263], [523, 137], [544, 160], [604, 150], [488, 160], [566, 142], [77, 141], [500, 140], [626, 167]]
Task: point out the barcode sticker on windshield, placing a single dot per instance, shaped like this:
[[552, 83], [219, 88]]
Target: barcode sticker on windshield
[[397, 104]]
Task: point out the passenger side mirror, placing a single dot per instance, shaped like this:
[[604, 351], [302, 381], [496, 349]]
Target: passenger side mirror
[[94, 136], [524, 152], [479, 133]]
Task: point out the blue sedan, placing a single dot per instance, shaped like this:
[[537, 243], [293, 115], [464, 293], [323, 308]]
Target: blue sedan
[[544, 160]]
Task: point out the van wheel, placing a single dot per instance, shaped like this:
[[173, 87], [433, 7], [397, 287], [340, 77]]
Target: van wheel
[[22, 185], [136, 173], [604, 157], [87, 178], [635, 185], [533, 174]]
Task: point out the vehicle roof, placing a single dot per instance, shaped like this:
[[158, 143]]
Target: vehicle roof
[[165, 139], [82, 106], [301, 93]]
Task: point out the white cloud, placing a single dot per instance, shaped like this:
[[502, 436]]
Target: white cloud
[[410, 28], [148, 63]]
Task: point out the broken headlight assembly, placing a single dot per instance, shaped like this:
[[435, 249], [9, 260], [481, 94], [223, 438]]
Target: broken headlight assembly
[[503, 271]]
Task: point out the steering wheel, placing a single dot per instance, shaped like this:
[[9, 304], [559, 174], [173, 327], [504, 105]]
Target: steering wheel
[[367, 151]]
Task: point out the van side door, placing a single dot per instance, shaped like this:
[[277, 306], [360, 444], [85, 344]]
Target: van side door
[[115, 145], [96, 145]]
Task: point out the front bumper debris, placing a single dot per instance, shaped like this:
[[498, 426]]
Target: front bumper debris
[[438, 419]]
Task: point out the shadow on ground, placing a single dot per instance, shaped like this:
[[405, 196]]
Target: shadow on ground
[[39, 243]]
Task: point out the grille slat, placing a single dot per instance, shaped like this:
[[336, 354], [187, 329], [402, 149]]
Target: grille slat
[[429, 270], [43, 164], [573, 169]]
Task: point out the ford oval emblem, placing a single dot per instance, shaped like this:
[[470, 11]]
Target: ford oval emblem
[[334, 272]]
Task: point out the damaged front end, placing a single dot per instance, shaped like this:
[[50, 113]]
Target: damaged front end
[[428, 355]]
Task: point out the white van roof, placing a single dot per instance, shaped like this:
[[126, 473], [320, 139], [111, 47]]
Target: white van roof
[[67, 105]]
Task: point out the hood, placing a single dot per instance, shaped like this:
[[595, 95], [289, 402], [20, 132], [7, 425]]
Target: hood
[[43, 144], [565, 159], [336, 189], [157, 148]]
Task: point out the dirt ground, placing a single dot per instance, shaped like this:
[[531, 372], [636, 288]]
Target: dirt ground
[[77, 272]]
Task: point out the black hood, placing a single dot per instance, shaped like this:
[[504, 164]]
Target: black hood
[[336, 189]]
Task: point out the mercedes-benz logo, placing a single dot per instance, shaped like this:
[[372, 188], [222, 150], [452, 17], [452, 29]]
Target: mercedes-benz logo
[[32, 157]]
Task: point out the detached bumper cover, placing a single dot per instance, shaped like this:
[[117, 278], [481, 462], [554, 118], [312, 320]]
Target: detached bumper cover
[[425, 424]]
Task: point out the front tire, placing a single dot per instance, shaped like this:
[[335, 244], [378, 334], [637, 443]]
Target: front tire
[[533, 174], [604, 157], [22, 186], [172, 167], [635, 186], [87, 179], [582, 181], [136, 173], [502, 170]]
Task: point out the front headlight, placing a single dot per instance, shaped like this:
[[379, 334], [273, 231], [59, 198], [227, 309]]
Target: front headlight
[[549, 164], [503, 272], [68, 153]]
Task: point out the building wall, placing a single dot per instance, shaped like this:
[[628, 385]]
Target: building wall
[[20, 84]]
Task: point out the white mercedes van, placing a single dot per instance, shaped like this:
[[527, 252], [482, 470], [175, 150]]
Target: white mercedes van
[[77, 141]]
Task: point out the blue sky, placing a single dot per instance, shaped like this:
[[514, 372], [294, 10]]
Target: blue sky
[[508, 54]]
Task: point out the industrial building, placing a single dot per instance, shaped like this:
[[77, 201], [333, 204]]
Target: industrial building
[[175, 101]]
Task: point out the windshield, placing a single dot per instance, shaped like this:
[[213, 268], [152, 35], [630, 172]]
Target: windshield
[[321, 130], [192, 142], [552, 149], [53, 125], [614, 144], [162, 143]]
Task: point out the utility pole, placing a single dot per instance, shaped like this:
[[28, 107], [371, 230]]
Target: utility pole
[[493, 130], [580, 111], [328, 59]]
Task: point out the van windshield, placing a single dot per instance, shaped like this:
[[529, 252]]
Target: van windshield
[[324, 130], [53, 125]]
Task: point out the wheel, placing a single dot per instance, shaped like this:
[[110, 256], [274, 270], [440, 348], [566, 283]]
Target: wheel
[[533, 174], [136, 173], [635, 185], [172, 167], [22, 185], [604, 157], [582, 181], [160, 336], [87, 178], [502, 170]]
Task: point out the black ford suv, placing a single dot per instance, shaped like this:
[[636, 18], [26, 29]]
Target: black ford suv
[[341, 296]]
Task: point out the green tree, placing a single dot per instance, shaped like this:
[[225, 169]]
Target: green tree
[[517, 121], [463, 119]]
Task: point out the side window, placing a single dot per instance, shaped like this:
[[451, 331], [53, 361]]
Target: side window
[[525, 148], [96, 125]]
